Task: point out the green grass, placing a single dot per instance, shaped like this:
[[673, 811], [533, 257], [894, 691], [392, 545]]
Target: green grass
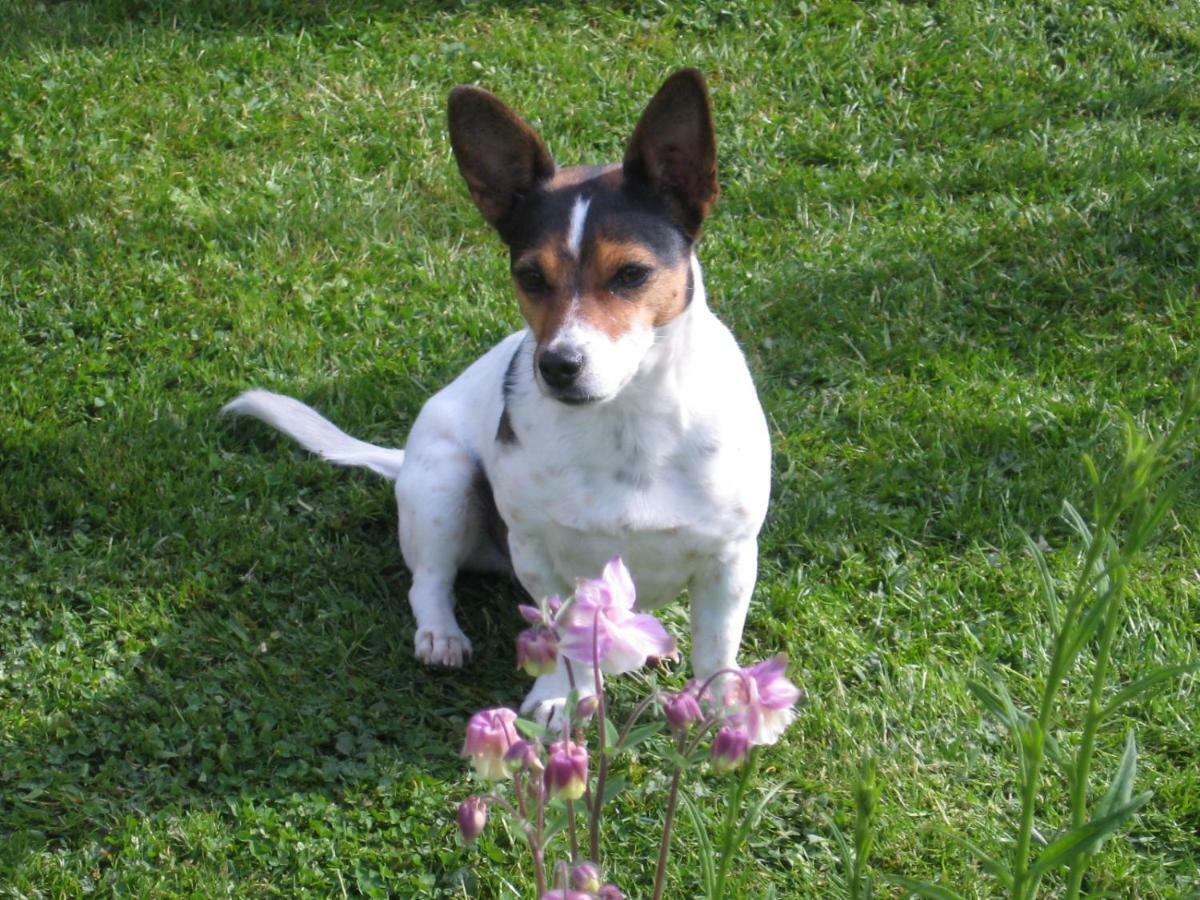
[[954, 240]]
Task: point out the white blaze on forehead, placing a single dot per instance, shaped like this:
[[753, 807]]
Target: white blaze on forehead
[[578, 220]]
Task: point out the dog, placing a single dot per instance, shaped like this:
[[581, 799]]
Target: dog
[[621, 421]]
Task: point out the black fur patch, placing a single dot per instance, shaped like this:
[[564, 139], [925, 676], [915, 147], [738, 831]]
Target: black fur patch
[[493, 526], [624, 214], [504, 429]]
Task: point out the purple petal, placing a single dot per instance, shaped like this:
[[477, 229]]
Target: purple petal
[[620, 583]]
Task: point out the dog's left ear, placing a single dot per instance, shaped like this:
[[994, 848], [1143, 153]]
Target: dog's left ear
[[673, 150]]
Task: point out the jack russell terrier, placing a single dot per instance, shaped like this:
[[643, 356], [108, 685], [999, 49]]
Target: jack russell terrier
[[621, 421]]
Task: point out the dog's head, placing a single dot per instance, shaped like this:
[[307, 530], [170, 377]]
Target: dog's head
[[600, 256]]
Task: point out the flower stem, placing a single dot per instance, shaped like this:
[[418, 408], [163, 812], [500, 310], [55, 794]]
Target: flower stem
[[571, 830], [664, 847], [533, 836], [602, 765], [1091, 724], [729, 826]]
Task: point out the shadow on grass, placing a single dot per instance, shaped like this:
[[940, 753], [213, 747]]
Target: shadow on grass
[[213, 626]]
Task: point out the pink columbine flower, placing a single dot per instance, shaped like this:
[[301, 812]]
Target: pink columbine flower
[[682, 710], [610, 892], [601, 621], [565, 894], [762, 700], [537, 650], [729, 748], [472, 817], [490, 734], [566, 770]]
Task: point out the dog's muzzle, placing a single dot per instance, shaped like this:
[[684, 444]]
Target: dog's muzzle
[[560, 368]]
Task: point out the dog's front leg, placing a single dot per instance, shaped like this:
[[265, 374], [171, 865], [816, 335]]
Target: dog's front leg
[[720, 596]]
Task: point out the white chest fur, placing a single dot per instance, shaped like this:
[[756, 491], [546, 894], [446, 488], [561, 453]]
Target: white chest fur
[[667, 474]]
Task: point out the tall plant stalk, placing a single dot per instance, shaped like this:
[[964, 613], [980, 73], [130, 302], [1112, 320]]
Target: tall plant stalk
[[1128, 506]]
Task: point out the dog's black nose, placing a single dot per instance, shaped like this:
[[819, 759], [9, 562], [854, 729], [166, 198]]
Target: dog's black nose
[[560, 368]]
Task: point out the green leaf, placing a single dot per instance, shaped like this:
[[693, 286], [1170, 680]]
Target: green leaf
[[847, 857], [1121, 789], [610, 734], [1071, 514], [999, 706], [924, 888], [990, 865], [532, 729], [1152, 680], [1085, 838], [641, 734], [613, 785], [1092, 619], [708, 875], [1046, 581], [756, 812]]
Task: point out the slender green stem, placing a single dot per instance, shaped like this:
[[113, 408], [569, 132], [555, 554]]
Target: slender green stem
[[572, 831], [729, 827], [1060, 663], [1091, 724]]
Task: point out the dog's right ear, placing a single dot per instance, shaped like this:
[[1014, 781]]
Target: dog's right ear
[[500, 157]]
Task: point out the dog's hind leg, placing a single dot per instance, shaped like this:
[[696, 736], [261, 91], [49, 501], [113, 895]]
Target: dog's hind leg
[[441, 531]]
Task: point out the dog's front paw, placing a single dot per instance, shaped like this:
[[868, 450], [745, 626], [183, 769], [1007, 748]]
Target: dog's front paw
[[546, 702], [550, 712], [447, 647]]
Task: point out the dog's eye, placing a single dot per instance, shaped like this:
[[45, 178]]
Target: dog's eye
[[532, 281], [629, 277]]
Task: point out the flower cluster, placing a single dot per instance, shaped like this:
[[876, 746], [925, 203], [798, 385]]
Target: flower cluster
[[598, 632]]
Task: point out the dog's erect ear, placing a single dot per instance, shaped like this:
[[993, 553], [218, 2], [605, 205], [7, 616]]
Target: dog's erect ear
[[500, 157], [674, 150]]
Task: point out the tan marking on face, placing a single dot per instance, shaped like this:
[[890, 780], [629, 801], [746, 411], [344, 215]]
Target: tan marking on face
[[615, 311], [581, 290]]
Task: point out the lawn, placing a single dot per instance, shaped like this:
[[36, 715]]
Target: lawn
[[955, 240]]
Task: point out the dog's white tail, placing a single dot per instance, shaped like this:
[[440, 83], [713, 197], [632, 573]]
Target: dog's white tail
[[315, 433]]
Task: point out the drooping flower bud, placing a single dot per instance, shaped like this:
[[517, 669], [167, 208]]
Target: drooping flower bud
[[472, 817], [566, 770], [585, 877], [682, 710], [490, 734], [610, 892], [537, 650], [586, 707], [523, 757], [530, 614], [729, 748]]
